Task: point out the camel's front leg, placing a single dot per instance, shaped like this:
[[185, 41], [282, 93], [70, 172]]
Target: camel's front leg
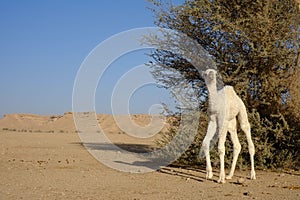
[[221, 150], [211, 130]]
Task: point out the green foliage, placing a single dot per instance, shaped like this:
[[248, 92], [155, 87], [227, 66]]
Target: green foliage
[[256, 46], [273, 141]]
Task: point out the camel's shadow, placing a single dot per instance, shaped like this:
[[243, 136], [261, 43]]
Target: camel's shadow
[[187, 172], [195, 173]]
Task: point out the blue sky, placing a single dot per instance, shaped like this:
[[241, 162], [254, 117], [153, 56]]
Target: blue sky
[[43, 43]]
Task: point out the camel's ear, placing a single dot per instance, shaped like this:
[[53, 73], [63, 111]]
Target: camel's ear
[[202, 73]]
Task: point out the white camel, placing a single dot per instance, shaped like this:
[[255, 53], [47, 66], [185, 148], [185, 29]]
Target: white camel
[[224, 107]]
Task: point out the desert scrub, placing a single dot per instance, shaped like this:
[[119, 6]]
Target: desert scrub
[[276, 145]]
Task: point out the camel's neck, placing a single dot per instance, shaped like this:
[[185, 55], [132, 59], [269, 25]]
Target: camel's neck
[[212, 94]]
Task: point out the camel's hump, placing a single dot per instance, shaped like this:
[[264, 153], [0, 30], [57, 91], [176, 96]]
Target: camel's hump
[[229, 90], [228, 87]]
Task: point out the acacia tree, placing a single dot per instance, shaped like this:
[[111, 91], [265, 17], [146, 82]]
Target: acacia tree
[[256, 46]]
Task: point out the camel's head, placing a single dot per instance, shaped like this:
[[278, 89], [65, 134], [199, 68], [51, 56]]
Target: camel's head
[[209, 76]]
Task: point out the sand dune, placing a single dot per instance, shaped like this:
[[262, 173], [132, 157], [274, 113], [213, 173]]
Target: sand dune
[[63, 123], [30, 123], [37, 123]]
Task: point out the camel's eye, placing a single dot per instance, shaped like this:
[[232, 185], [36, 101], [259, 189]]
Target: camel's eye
[[211, 75]]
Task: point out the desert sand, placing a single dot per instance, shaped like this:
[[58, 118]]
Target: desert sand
[[42, 157]]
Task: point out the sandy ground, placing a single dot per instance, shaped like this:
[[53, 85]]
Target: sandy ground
[[54, 165]]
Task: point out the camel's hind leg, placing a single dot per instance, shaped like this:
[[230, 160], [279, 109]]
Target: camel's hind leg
[[245, 126], [236, 146]]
